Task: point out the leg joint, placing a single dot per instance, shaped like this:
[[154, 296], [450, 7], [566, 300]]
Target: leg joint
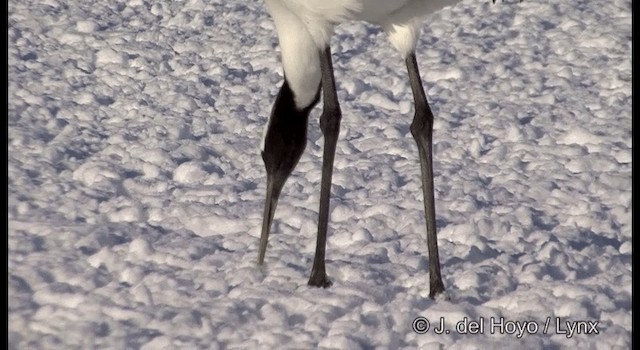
[[330, 120], [422, 125]]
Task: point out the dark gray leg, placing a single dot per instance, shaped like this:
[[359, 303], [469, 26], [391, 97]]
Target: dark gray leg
[[422, 130], [330, 126]]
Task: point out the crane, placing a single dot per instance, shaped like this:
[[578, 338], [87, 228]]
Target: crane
[[304, 29]]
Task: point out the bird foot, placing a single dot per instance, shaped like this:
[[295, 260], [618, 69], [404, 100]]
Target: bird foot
[[319, 279], [435, 288]]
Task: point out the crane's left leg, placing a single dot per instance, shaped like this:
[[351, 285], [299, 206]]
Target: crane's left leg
[[330, 126]]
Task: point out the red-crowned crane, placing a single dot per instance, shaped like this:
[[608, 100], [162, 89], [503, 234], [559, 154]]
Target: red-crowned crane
[[304, 30]]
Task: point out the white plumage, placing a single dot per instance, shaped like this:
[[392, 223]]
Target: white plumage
[[305, 26], [304, 29]]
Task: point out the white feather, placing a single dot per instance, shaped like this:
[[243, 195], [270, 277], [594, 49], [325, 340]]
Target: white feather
[[305, 26], [300, 53]]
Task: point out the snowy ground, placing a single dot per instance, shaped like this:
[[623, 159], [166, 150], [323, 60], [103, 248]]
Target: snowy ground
[[136, 185]]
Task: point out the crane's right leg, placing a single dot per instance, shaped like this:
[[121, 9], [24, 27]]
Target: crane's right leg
[[422, 131], [404, 36]]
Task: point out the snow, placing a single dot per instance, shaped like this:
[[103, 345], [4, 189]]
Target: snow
[[136, 186]]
